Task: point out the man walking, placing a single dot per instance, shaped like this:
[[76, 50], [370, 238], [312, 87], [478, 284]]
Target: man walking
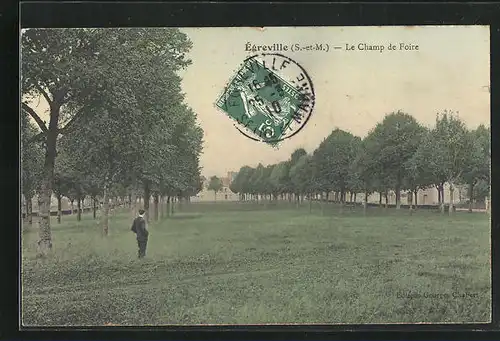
[[139, 228]]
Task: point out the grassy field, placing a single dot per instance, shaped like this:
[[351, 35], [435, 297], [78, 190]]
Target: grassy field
[[236, 263]]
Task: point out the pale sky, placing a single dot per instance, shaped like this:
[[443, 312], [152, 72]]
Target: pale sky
[[354, 89]]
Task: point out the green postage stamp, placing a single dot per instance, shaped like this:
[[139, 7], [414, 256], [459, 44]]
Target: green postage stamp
[[270, 98]]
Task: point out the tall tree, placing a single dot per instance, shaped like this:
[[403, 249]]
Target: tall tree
[[394, 141], [427, 162], [294, 158], [477, 167], [254, 181], [417, 174], [215, 185], [297, 154], [362, 171], [334, 157], [79, 70], [240, 184], [445, 151], [263, 183], [31, 165], [279, 178], [303, 175]]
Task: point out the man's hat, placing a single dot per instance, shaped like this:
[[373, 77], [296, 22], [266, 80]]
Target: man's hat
[[141, 211]]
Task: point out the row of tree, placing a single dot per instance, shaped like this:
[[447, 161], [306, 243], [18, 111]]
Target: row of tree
[[118, 125], [398, 154]]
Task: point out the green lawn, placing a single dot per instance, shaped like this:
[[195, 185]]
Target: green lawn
[[236, 263]]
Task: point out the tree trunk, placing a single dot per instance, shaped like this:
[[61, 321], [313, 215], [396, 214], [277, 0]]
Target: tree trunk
[[355, 195], [471, 196], [386, 199], [29, 210], [398, 197], [94, 207], [72, 205], [147, 196], [441, 197], [365, 203], [322, 200], [111, 205], [105, 213], [172, 206], [29, 214], [44, 196], [310, 202], [452, 190], [215, 196], [133, 202], [79, 207], [342, 200], [59, 208], [168, 206], [410, 197], [160, 209], [416, 198], [380, 200], [351, 195], [26, 209], [156, 201]]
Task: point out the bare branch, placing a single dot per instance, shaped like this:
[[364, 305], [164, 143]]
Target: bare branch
[[37, 118], [44, 93]]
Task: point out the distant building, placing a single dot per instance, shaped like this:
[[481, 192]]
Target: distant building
[[225, 194]]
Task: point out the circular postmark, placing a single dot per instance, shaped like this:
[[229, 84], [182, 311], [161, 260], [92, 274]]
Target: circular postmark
[[271, 98]]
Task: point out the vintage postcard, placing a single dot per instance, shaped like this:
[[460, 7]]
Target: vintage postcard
[[255, 176]]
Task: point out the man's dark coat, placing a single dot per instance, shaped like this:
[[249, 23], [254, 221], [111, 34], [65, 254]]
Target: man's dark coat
[[139, 227]]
